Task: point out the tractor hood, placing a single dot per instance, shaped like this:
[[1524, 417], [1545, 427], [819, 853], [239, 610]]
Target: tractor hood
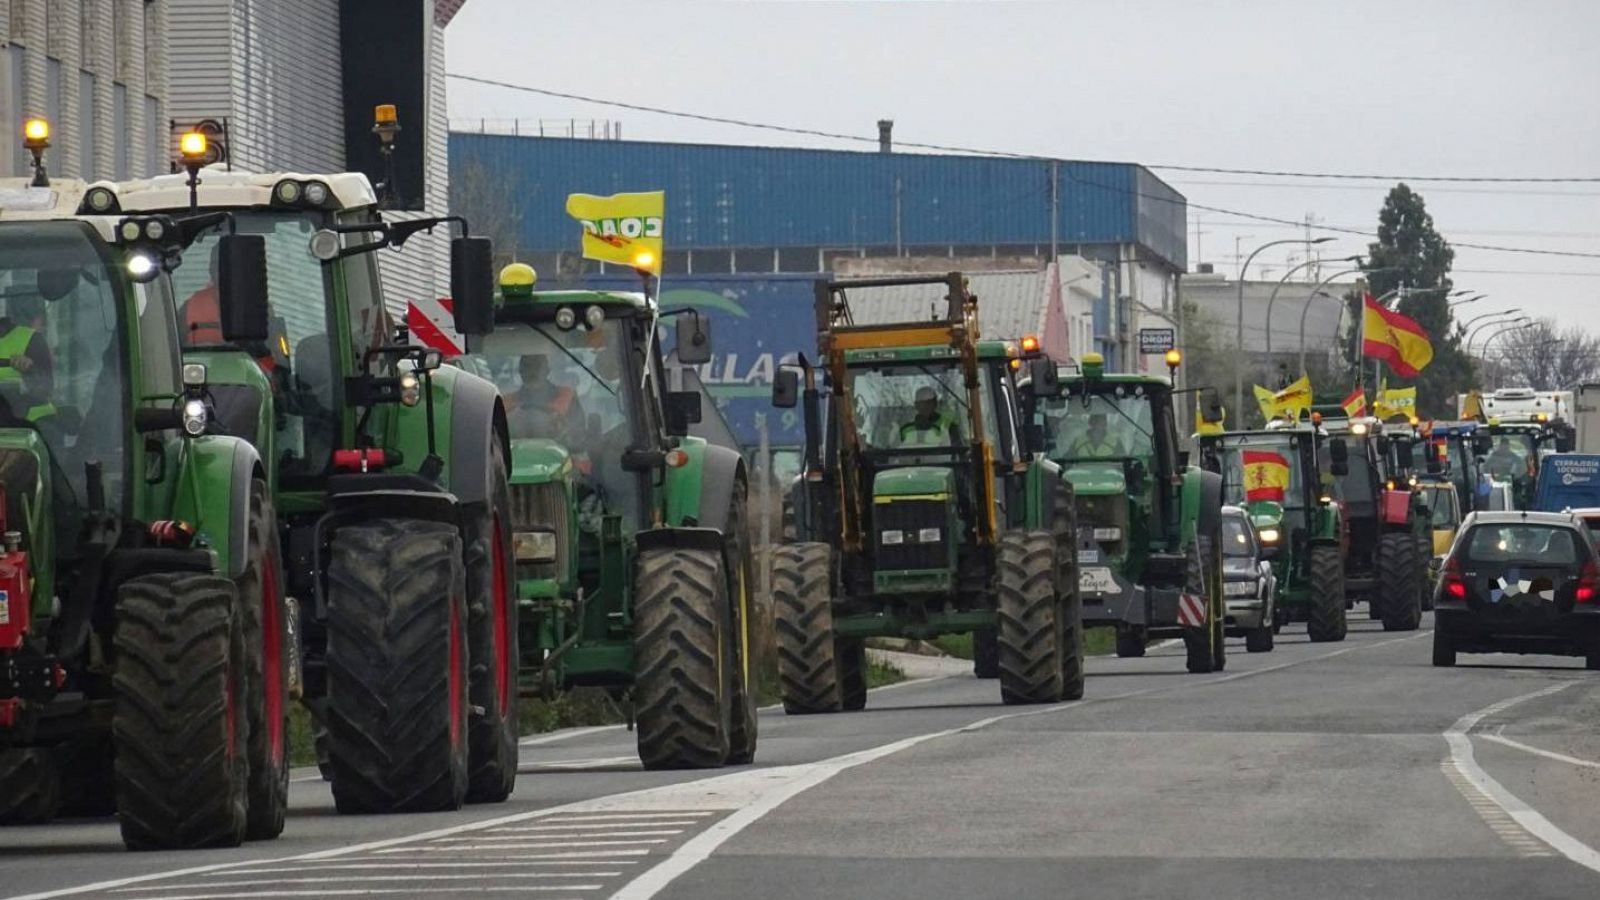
[[537, 461], [1097, 479], [1265, 513], [923, 482]]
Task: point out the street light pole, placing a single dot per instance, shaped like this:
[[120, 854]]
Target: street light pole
[[1484, 351], [1312, 296], [1273, 297], [1455, 303], [1238, 360], [1474, 332]]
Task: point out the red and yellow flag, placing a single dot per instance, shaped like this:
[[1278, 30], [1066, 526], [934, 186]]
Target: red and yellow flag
[[1355, 405], [1395, 339], [1266, 475]]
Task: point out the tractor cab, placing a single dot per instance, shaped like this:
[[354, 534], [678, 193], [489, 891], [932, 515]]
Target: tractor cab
[[1514, 449]]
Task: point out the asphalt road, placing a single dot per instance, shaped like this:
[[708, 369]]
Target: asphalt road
[[1317, 770]]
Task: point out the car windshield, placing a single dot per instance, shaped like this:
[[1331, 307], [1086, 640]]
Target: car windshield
[[1113, 423], [1523, 542], [917, 405], [1236, 540], [1261, 467], [62, 368]]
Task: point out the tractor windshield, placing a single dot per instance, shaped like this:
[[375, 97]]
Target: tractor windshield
[[1513, 455], [1443, 509], [1114, 423], [1258, 467], [917, 406], [61, 357]]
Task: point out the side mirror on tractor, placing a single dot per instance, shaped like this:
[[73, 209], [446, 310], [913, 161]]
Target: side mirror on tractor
[[786, 389], [694, 339], [472, 285], [1339, 454], [1045, 377], [242, 287], [681, 409]]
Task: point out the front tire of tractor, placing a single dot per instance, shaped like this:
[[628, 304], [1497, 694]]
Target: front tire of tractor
[[1031, 635], [684, 686], [1399, 595], [986, 653], [397, 667], [852, 653], [1130, 642], [743, 636], [266, 642], [492, 641], [1203, 644], [30, 786], [181, 722], [1325, 618], [809, 673], [1259, 640]]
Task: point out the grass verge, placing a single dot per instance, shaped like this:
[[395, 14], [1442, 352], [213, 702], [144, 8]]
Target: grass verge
[[1096, 642]]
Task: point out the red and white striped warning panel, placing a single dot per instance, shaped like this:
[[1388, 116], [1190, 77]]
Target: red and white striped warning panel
[[430, 324], [1191, 610]]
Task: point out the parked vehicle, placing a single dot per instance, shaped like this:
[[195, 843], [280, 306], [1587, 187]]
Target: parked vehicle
[[1568, 481], [1249, 589], [1519, 582]]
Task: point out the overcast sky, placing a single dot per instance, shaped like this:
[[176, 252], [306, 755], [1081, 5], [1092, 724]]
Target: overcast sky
[[1399, 87]]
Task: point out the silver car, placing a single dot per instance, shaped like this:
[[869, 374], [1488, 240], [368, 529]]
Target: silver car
[[1248, 586]]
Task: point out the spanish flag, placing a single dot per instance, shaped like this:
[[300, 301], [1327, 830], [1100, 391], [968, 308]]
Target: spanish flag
[[623, 228], [1292, 401], [1355, 405], [1266, 475], [1394, 339]]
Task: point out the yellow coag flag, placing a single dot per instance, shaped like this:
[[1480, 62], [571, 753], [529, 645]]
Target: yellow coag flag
[[1202, 425], [1472, 406], [1393, 402], [1292, 401], [623, 228]]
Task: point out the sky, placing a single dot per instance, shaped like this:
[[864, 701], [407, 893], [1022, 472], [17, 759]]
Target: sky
[[1413, 88]]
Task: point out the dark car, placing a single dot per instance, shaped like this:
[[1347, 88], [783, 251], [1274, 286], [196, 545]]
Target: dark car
[[1519, 582], [1248, 588]]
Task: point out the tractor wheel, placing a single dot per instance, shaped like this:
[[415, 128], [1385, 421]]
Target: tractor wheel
[[266, 642], [1259, 640], [809, 673], [397, 667], [1398, 595], [1032, 636], [852, 655], [1425, 584], [744, 634], [30, 789], [1325, 615], [181, 724], [1216, 604], [492, 643], [1200, 643], [684, 659], [986, 653], [1130, 641], [1072, 665]]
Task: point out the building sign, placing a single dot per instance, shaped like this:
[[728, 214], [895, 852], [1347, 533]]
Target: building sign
[[1156, 340]]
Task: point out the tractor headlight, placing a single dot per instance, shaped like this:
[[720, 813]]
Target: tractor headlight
[[286, 192], [894, 536], [154, 230], [142, 267], [928, 535], [316, 193], [410, 389], [1108, 534], [1269, 535], [566, 318], [533, 546], [194, 417], [100, 201], [129, 230], [594, 317]]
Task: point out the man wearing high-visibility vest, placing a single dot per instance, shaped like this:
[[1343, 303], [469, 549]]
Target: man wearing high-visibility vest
[[1096, 443], [541, 407], [24, 357], [931, 427]]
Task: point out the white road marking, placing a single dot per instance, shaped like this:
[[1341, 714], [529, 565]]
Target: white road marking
[[390, 865], [515, 844], [473, 876], [538, 832], [600, 826], [514, 834], [599, 762], [567, 734], [1463, 770], [358, 892], [607, 817], [1539, 751]]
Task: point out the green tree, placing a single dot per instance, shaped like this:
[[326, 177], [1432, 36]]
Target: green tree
[[1410, 254]]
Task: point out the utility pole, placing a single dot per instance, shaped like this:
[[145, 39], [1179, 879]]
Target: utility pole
[[1055, 215]]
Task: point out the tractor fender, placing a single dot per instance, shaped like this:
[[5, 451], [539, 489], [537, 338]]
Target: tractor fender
[[1201, 504], [477, 422], [214, 494], [699, 491], [1042, 483]]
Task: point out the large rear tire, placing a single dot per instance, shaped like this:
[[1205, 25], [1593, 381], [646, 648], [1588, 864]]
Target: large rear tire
[[683, 652], [397, 667], [986, 653], [1201, 643], [1325, 617], [492, 640], [180, 725], [1399, 598], [743, 636], [266, 642], [852, 654], [1130, 642], [1031, 633], [809, 674], [30, 788]]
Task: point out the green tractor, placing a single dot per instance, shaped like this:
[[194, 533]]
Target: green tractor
[[1385, 560], [138, 546], [390, 478], [1149, 525], [632, 553], [921, 510], [1276, 475]]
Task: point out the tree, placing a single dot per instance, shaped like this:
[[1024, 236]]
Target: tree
[[1542, 357], [1409, 253], [491, 210]]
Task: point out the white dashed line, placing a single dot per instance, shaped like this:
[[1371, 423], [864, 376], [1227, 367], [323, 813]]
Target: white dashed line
[[1539, 751]]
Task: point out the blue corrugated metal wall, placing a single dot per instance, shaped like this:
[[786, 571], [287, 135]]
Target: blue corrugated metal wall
[[728, 196]]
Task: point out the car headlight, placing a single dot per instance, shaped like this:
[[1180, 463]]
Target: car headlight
[[533, 546], [194, 417], [894, 536], [928, 535], [1269, 535]]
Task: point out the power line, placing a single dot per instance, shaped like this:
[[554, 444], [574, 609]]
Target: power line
[[812, 132]]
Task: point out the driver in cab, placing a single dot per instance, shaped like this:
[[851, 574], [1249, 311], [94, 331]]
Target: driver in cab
[[540, 406], [1504, 461], [1096, 443], [931, 426]]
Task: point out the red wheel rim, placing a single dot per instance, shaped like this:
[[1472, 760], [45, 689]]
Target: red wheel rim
[[455, 674], [502, 621], [272, 662]]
